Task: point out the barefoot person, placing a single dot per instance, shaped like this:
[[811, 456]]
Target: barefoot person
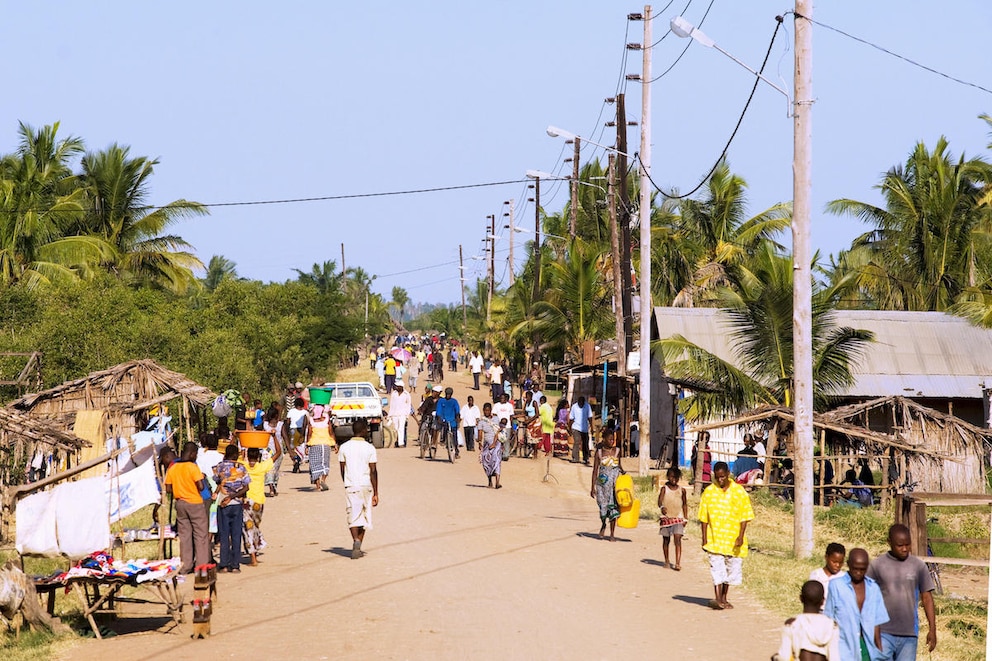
[[357, 459], [605, 469], [254, 504], [319, 447], [674, 514], [724, 512], [810, 636]]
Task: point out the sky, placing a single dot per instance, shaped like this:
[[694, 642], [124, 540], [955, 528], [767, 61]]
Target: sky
[[249, 101]]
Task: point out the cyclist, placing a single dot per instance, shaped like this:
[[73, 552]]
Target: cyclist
[[425, 421], [449, 413]]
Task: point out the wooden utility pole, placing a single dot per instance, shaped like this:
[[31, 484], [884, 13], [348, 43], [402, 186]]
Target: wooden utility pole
[[461, 282], [802, 322], [573, 220], [644, 209], [342, 259], [627, 344], [512, 240], [615, 255]]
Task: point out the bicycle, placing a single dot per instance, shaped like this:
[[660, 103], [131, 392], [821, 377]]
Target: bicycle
[[426, 437], [445, 431]]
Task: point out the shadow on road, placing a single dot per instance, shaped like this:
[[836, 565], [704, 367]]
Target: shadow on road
[[653, 562], [592, 535], [337, 550], [696, 601]]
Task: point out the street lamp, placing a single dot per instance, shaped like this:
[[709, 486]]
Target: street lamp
[[522, 230], [685, 29], [802, 307], [556, 132]]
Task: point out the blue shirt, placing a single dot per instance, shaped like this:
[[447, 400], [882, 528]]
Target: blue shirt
[[448, 410], [842, 608], [580, 416]]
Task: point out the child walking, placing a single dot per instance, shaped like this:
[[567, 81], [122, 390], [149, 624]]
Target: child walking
[[810, 636], [674, 514]]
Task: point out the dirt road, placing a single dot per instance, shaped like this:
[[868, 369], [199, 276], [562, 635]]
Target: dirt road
[[457, 571]]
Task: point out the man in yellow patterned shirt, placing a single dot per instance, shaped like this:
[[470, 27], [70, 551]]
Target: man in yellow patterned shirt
[[724, 512]]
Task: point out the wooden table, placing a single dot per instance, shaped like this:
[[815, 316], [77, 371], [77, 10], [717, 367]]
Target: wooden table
[[100, 595]]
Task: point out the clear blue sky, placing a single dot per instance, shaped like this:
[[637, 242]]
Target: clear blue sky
[[256, 101]]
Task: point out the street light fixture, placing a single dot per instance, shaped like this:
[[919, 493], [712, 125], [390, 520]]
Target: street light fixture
[[685, 29], [522, 230], [556, 132]]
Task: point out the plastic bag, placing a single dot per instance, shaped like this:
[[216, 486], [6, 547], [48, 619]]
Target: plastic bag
[[220, 407]]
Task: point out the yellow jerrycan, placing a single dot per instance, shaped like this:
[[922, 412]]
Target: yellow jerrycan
[[630, 507]]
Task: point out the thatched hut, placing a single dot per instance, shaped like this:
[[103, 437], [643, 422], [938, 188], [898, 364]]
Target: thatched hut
[[115, 402], [24, 440]]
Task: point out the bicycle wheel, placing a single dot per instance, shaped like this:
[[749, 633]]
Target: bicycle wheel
[[448, 436], [935, 576], [424, 437]]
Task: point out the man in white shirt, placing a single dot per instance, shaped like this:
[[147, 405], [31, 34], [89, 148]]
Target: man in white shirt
[[470, 418], [496, 379], [357, 459], [400, 407], [298, 428], [475, 364], [580, 416]]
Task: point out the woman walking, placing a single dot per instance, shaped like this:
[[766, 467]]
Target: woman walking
[[254, 504], [605, 469], [320, 445], [490, 445]]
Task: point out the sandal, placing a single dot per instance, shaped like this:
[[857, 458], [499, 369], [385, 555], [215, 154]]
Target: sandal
[[677, 567]]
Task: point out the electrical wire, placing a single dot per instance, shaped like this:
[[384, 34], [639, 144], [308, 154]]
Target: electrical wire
[[726, 147], [700, 25], [669, 31], [888, 52]]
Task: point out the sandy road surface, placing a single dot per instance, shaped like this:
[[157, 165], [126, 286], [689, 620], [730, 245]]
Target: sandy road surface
[[457, 571]]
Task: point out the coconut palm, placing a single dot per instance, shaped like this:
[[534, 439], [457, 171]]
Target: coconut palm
[[218, 269], [717, 236], [400, 300], [930, 242], [324, 277], [118, 210], [40, 202], [757, 310]]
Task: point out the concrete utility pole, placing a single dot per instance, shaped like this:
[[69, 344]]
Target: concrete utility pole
[[461, 282], [644, 380], [537, 263], [492, 265], [615, 254], [626, 306], [573, 220], [512, 240], [802, 281], [342, 259]]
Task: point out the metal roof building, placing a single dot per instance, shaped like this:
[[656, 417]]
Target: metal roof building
[[928, 355]]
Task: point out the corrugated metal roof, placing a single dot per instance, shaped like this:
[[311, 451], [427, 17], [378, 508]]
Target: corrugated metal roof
[[917, 354]]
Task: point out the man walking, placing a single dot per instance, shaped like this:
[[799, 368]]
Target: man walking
[[855, 603], [580, 415], [724, 512], [357, 459], [475, 364], [400, 407], [905, 581], [454, 359], [470, 418], [184, 481], [496, 379], [389, 373]]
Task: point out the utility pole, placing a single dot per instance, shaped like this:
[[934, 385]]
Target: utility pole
[[573, 220], [624, 218], [512, 241], [461, 282], [537, 263], [615, 254], [644, 381], [342, 260], [802, 280], [492, 265]]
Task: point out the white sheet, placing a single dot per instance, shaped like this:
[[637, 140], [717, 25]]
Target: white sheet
[[81, 517], [128, 492], [35, 530]]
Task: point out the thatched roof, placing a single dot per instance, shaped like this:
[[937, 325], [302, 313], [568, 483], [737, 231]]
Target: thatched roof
[[16, 424], [852, 410], [152, 377]]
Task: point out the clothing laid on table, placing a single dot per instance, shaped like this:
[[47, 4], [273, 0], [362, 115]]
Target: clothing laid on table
[[857, 625], [811, 632], [606, 479]]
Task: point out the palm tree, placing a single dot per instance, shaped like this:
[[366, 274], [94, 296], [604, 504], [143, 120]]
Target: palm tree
[[218, 269], [118, 188], [758, 312], [930, 242], [40, 202], [323, 276], [400, 300], [717, 236]]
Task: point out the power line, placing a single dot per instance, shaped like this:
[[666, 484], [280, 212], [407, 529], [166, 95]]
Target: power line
[[888, 52], [726, 147]]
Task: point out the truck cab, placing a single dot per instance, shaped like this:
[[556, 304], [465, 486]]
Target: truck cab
[[352, 400]]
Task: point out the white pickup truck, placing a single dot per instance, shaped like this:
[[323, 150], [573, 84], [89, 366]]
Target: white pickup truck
[[350, 401]]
